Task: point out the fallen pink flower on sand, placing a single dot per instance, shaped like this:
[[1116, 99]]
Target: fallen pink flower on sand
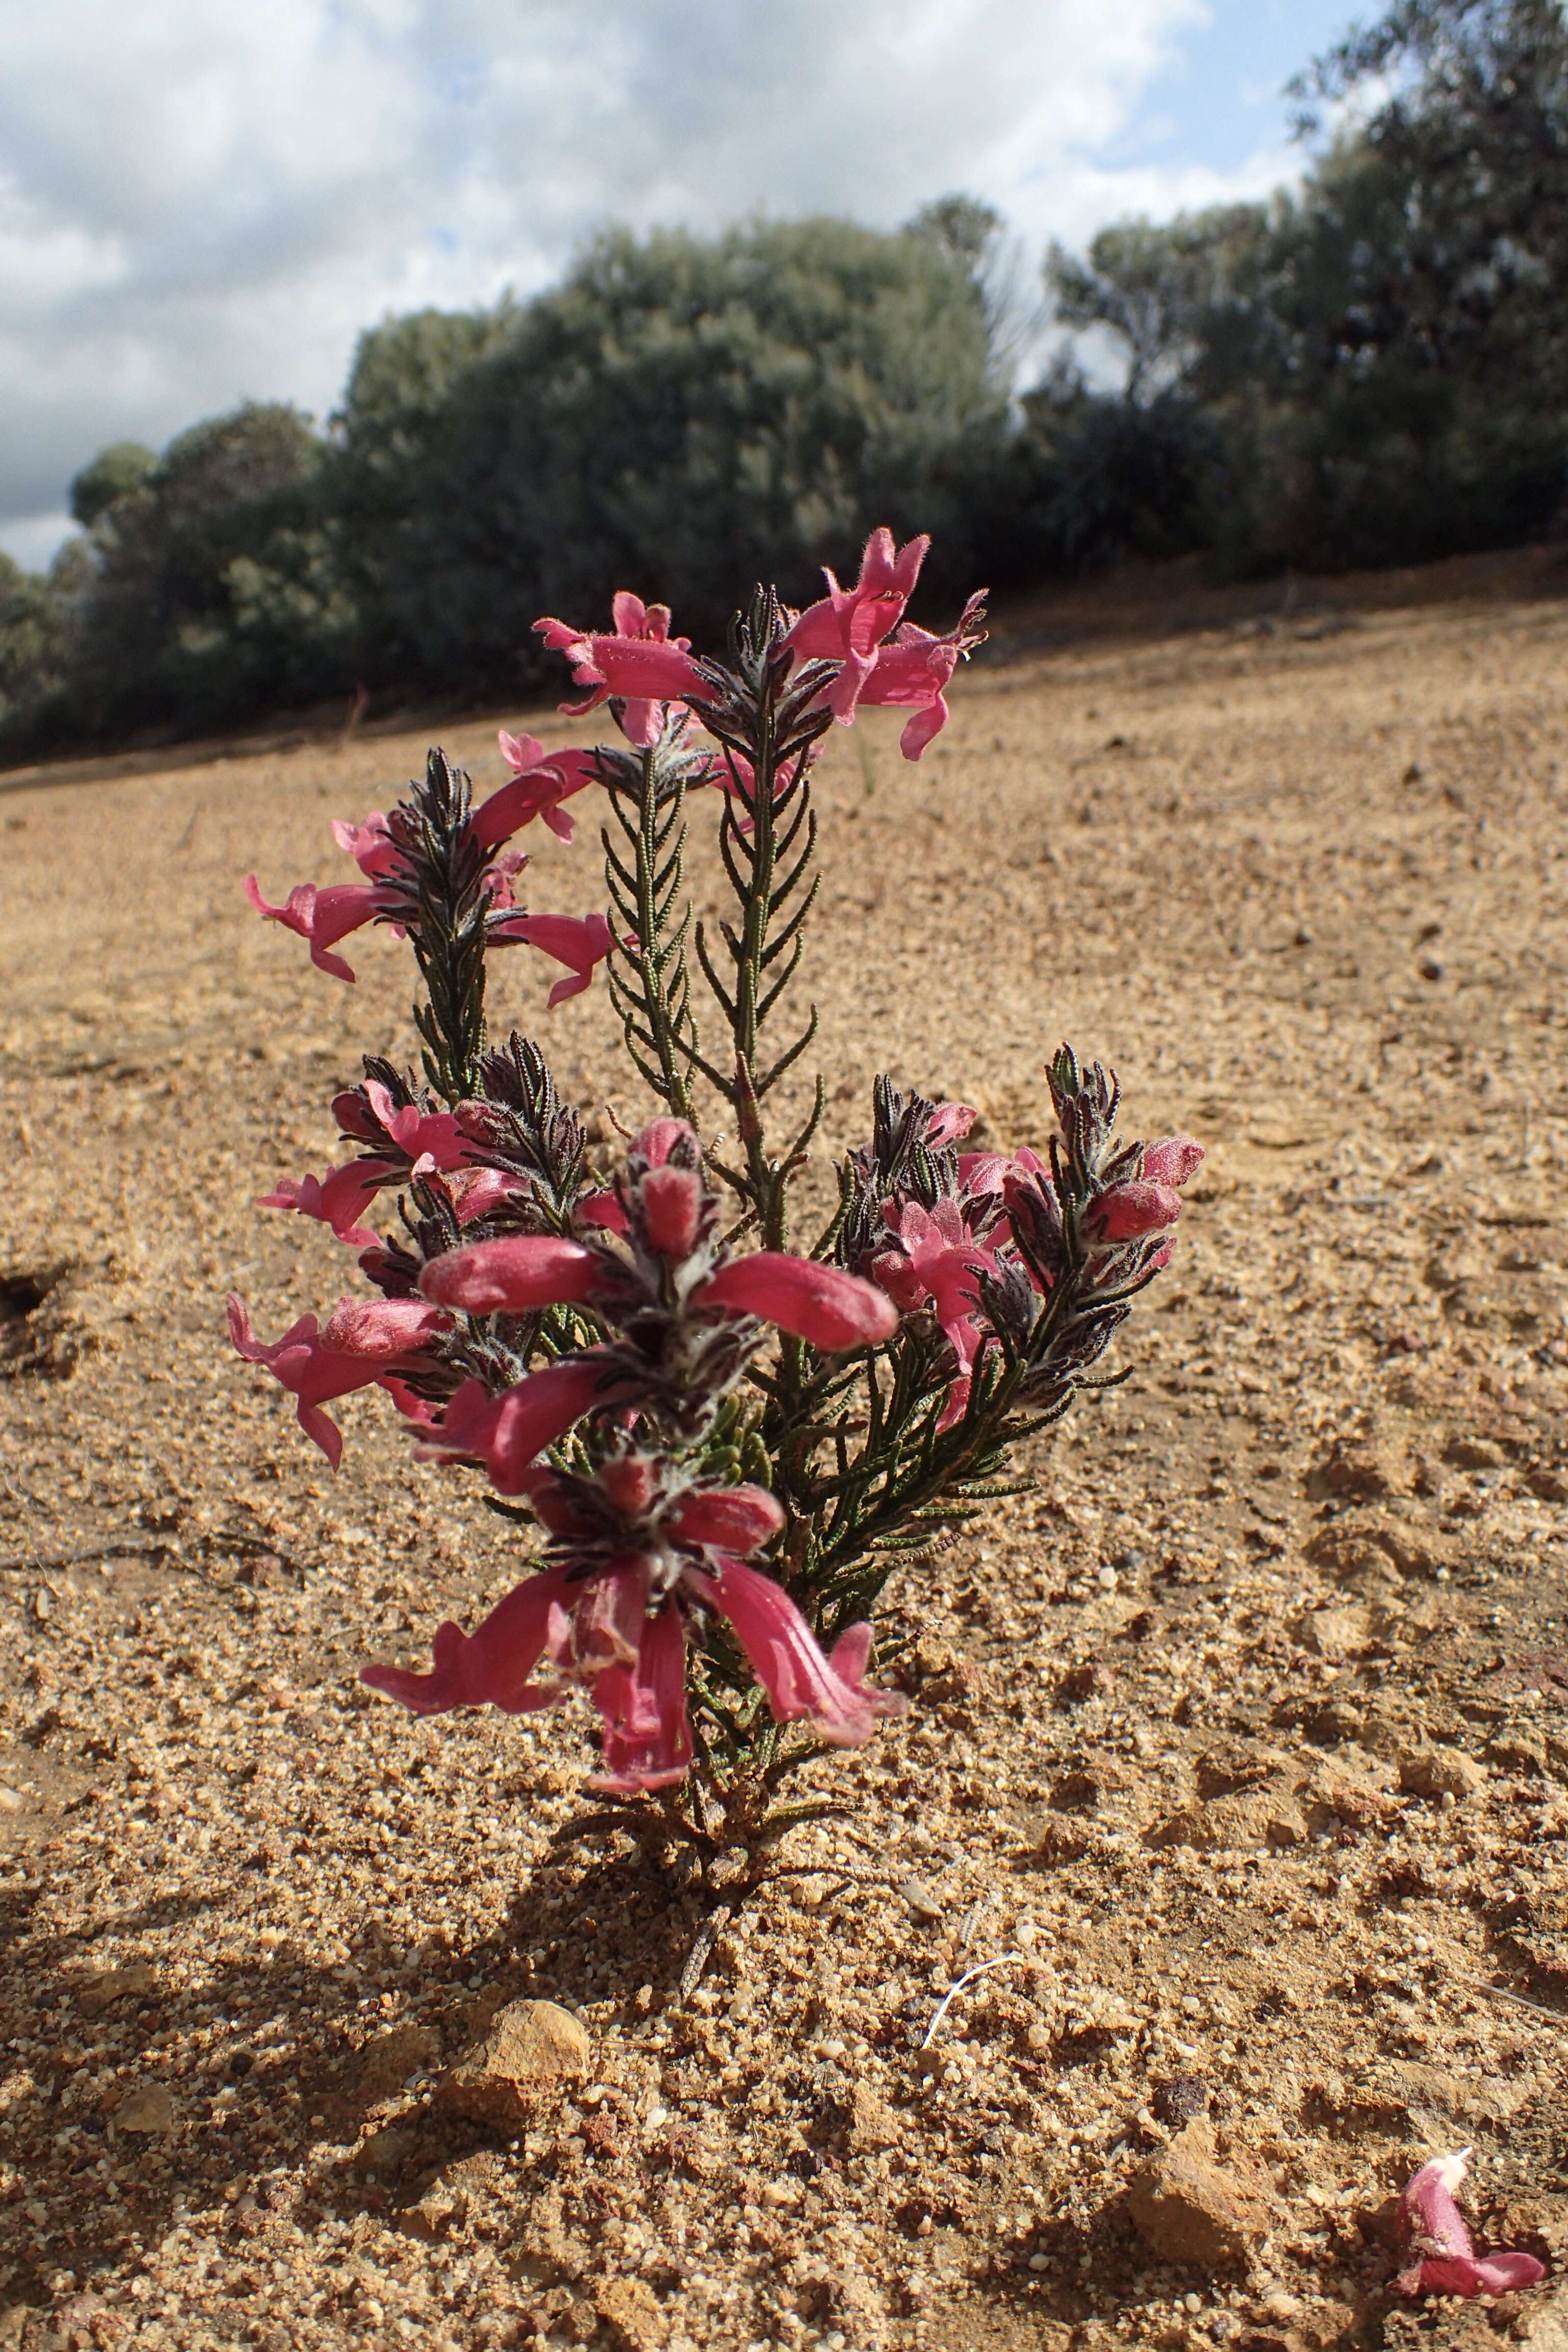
[[1435, 2230]]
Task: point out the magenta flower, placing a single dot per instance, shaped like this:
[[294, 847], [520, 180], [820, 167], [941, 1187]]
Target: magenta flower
[[515, 1274], [369, 844], [913, 669], [1151, 1201], [934, 1259], [538, 786], [324, 916], [640, 1554], [508, 1432], [1172, 1161], [821, 1304], [667, 1212], [364, 1340], [950, 1122], [1127, 1211], [801, 1684], [1435, 2230], [336, 1199], [423, 1142], [642, 664], [849, 624], [579, 941]]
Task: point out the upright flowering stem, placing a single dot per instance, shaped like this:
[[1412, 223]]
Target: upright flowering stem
[[761, 710], [646, 972], [445, 869]]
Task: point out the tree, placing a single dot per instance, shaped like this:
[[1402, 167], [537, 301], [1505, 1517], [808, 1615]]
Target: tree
[[801, 382], [214, 591], [112, 475]]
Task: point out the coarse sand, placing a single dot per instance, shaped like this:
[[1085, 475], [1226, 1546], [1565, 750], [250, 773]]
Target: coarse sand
[[1240, 1744]]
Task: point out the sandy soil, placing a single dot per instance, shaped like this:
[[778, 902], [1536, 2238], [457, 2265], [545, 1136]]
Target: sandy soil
[[1246, 1736]]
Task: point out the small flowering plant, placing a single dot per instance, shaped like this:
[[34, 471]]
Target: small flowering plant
[[728, 1443]]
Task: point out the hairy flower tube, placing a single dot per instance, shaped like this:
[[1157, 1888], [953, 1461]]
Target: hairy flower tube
[[638, 1554], [1436, 2233], [406, 1141]]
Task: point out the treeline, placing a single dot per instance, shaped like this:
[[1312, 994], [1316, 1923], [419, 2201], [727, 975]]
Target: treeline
[[1371, 369]]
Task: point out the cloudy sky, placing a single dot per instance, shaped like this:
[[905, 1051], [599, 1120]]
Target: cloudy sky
[[203, 200]]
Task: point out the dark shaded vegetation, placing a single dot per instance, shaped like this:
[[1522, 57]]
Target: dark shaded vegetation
[[1371, 369]]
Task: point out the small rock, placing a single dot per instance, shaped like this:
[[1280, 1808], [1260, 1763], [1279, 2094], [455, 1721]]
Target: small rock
[[1474, 1454], [922, 1900], [633, 2314], [1430, 967], [1341, 1633], [533, 2048], [1545, 2328], [1473, 2098], [1180, 2099], [873, 2124], [1235, 1824], [11, 1800], [384, 2150], [1548, 1485], [1190, 2209], [96, 1993], [387, 2062], [1439, 1772], [1366, 1470], [146, 2108]]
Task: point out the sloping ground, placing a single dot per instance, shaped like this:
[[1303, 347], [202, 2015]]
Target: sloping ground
[[1245, 1736]]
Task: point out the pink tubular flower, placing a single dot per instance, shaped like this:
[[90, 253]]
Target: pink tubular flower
[[578, 941], [1127, 1211], [914, 670], [1172, 1161], [1435, 2230], [422, 1141], [323, 916], [821, 1304], [800, 1683], [642, 664], [509, 1431], [538, 786], [950, 1122], [638, 1554], [516, 1274], [849, 624], [369, 844], [642, 1703], [491, 1666], [336, 1199], [364, 1340], [935, 1257]]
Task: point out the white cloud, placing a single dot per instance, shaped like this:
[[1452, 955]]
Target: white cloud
[[203, 200]]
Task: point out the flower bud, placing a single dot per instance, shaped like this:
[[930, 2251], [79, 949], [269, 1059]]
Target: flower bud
[[671, 1203]]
